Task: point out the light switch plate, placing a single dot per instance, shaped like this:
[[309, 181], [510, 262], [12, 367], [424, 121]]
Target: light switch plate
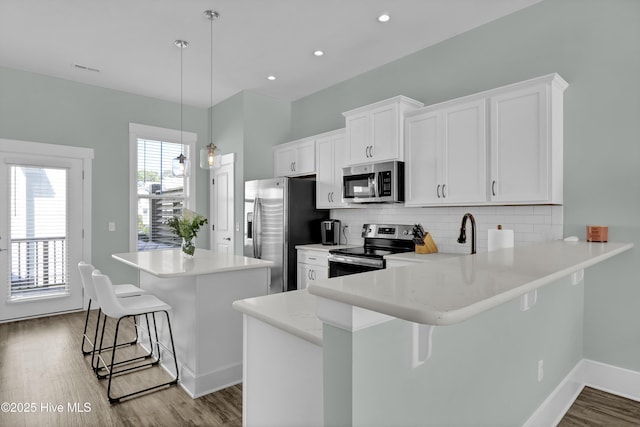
[[112, 226]]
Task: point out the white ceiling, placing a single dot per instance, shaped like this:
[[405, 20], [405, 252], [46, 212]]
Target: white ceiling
[[131, 42]]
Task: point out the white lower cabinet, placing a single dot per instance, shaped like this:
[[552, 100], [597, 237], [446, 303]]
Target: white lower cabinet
[[312, 265], [330, 159]]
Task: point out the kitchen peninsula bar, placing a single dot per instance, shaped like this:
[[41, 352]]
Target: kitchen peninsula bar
[[473, 332], [200, 290]]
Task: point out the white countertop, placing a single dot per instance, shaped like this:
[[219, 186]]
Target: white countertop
[[324, 248], [171, 262], [453, 290], [293, 312], [414, 257]]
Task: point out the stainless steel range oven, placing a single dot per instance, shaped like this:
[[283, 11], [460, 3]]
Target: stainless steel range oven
[[379, 240]]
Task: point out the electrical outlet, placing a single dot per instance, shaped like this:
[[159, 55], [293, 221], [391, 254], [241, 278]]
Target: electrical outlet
[[540, 370]]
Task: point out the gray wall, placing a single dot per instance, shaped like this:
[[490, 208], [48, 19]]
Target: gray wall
[[49, 110], [249, 124], [595, 46]]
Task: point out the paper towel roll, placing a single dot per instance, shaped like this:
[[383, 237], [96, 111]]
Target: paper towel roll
[[499, 239]]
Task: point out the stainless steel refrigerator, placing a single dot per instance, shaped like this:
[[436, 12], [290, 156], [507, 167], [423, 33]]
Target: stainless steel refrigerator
[[279, 214]]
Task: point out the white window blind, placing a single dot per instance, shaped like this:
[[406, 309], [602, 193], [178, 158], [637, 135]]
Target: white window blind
[[38, 232], [160, 194]]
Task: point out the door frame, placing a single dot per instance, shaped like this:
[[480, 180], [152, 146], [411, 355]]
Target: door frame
[[85, 155]]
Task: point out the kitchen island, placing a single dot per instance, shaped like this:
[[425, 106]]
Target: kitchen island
[[509, 314], [206, 330]]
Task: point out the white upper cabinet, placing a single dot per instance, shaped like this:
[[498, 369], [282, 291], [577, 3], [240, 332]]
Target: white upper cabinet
[[446, 153], [502, 146], [330, 156], [375, 132], [295, 158], [526, 143]]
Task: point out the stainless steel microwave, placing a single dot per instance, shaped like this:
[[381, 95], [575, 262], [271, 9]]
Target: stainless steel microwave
[[374, 183]]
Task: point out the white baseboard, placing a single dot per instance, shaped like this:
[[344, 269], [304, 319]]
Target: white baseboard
[[612, 379]]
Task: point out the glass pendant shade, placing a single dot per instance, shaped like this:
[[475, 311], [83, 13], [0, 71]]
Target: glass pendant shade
[[179, 166], [207, 156]]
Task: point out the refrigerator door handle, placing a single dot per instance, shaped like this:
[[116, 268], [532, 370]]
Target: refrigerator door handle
[[257, 228]]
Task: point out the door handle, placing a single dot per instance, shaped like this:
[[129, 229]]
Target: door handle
[[227, 239]]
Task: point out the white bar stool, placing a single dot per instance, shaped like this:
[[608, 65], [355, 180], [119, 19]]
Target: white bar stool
[[122, 308], [121, 291]]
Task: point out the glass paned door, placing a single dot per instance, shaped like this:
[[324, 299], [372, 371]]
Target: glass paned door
[[40, 247]]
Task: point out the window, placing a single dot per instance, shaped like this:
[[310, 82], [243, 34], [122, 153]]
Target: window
[[38, 226], [156, 193]]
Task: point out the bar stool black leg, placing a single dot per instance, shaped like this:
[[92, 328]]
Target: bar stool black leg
[[84, 333], [112, 372]]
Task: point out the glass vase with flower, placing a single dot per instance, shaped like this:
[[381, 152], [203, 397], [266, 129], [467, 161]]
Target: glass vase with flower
[[186, 226]]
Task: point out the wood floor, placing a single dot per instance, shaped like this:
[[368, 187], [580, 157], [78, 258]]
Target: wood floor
[[41, 368], [41, 364], [597, 408]]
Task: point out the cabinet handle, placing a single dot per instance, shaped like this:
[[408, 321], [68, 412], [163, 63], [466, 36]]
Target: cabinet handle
[[291, 166], [313, 275], [493, 187], [328, 197], [438, 191], [371, 151], [444, 196], [366, 152], [309, 274], [294, 166], [332, 197]]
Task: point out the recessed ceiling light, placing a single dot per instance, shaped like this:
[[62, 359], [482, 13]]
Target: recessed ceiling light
[[384, 17], [271, 78], [318, 53]]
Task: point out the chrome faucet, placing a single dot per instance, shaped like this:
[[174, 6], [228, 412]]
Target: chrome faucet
[[463, 235]]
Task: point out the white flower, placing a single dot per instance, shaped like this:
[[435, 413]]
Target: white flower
[[188, 215]]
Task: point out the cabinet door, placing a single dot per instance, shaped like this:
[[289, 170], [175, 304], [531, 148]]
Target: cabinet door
[[325, 164], [339, 156], [520, 146], [465, 153], [304, 162], [302, 275], [283, 162], [423, 159], [385, 143], [359, 138]]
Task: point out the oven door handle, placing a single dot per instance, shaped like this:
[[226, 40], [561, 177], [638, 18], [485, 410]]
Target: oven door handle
[[378, 263]]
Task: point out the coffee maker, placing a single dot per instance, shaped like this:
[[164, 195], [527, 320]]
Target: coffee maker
[[330, 232]]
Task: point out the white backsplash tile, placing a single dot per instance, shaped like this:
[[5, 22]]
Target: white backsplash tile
[[531, 224]]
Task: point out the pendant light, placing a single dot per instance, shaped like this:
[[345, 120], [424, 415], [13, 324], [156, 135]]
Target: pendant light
[[207, 153], [179, 166]]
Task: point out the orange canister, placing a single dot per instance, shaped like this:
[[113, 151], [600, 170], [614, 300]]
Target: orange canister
[[597, 233]]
